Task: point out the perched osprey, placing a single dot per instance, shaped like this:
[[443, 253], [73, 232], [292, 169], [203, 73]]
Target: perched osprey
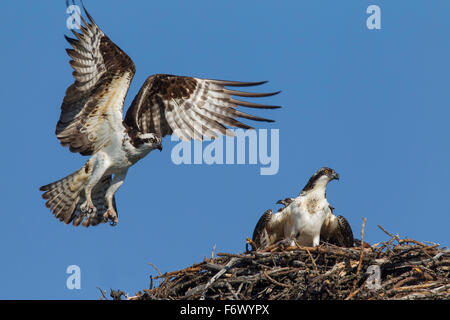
[[306, 218], [91, 122]]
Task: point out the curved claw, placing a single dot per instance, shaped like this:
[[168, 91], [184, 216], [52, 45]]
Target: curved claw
[[88, 208], [111, 214]]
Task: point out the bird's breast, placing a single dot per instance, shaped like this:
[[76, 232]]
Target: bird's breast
[[312, 205]]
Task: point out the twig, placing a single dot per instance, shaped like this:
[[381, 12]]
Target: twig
[[175, 273], [231, 255], [415, 287], [159, 272], [362, 249], [103, 294], [388, 233], [218, 275], [352, 294], [412, 241], [235, 296], [212, 253], [393, 237], [309, 254], [441, 288], [358, 269], [275, 281], [312, 260]]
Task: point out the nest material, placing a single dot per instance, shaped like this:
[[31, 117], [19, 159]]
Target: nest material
[[401, 269]]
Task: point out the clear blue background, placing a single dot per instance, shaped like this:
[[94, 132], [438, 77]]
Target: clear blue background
[[372, 104]]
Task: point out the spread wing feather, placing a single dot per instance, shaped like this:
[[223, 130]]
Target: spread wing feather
[[337, 231], [191, 107], [270, 227], [260, 234], [344, 233], [93, 104], [285, 202]]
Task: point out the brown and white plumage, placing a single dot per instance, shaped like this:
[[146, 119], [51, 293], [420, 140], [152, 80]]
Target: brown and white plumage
[[336, 230], [305, 219], [93, 105], [190, 107], [92, 122], [285, 202], [64, 198]]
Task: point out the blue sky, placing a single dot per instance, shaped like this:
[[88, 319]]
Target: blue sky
[[372, 104]]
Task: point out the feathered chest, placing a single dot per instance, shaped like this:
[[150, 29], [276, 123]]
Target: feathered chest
[[309, 206], [307, 214], [132, 153], [314, 205], [122, 153]]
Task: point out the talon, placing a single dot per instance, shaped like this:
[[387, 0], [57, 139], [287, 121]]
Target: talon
[[111, 214], [88, 208], [86, 223]]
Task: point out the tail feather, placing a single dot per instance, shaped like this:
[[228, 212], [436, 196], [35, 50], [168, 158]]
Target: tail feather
[[65, 196]]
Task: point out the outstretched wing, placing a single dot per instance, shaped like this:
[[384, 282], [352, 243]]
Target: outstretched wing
[[337, 231], [260, 234], [190, 107], [93, 105], [285, 202], [344, 233], [270, 227]]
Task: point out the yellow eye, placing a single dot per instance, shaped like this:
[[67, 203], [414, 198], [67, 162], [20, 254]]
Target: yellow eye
[[152, 140], [326, 171]]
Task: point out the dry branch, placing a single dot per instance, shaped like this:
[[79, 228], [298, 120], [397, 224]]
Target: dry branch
[[408, 269]]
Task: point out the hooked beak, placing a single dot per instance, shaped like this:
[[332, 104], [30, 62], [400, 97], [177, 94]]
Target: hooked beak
[[159, 147], [336, 176]]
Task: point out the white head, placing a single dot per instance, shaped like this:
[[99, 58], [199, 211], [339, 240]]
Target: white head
[[147, 141], [320, 179]]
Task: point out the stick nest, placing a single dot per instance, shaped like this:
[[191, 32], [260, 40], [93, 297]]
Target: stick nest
[[395, 269]]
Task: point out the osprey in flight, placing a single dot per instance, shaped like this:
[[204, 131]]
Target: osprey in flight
[[91, 122], [305, 219]]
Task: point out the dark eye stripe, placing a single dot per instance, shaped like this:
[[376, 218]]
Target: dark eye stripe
[[146, 140]]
